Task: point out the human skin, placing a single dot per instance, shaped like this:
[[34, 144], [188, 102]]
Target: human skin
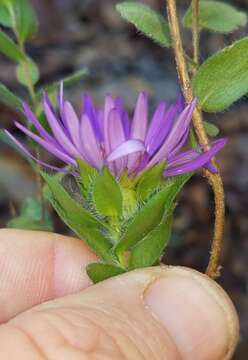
[[50, 310]]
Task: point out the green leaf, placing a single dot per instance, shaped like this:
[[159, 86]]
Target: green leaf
[[98, 272], [107, 194], [146, 20], [9, 48], [151, 213], [87, 174], [83, 223], [211, 129], [217, 16], [150, 180], [223, 78], [26, 223], [150, 249], [26, 20], [27, 72], [5, 18], [10, 99]]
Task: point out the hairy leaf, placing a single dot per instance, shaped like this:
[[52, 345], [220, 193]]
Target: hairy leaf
[[223, 78], [217, 16], [146, 20]]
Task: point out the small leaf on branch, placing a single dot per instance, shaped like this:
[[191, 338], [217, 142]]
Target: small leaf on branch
[[217, 16], [223, 78], [87, 174], [211, 129], [150, 249], [27, 72], [98, 272], [107, 194], [146, 20], [9, 48]]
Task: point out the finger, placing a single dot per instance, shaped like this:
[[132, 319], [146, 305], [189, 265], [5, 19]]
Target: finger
[[157, 313], [39, 266]]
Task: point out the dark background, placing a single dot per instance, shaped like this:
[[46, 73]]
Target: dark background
[[89, 33]]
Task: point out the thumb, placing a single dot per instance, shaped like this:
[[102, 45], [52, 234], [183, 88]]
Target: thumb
[[156, 313]]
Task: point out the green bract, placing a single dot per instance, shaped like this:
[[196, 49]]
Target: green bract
[[127, 222]]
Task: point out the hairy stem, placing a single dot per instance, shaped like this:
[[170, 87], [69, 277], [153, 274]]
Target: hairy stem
[[214, 179]]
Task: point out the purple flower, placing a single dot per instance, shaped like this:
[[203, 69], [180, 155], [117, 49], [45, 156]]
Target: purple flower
[[106, 136]]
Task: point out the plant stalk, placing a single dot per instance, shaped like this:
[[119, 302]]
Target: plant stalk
[[214, 179]]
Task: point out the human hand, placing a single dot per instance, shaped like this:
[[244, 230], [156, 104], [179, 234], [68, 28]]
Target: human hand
[[156, 313]]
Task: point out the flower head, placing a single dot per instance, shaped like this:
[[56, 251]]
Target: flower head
[[106, 136]]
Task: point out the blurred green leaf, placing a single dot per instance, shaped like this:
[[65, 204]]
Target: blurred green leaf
[[9, 48], [5, 18], [82, 222], [211, 129], [31, 217], [150, 180], [107, 195], [151, 247], [98, 272], [27, 72], [146, 20], [26, 20], [150, 215], [217, 16], [223, 78], [10, 99]]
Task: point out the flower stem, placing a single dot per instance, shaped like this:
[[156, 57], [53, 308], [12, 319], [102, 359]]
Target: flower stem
[[214, 179]]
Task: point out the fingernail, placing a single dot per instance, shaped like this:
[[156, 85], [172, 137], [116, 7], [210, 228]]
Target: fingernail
[[196, 313]]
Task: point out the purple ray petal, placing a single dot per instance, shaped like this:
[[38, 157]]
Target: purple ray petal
[[33, 119], [27, 153], [108, 106], [89, 144], [116, 138], [126, 124], [155, 125], [46, 145], [140, 118], [126, 148], [57, 129], [193, 160], [175, 135], [139, 126], [91, 112], [72, 124]]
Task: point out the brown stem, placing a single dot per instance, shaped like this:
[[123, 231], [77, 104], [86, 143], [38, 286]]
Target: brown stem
[[214, 179]]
